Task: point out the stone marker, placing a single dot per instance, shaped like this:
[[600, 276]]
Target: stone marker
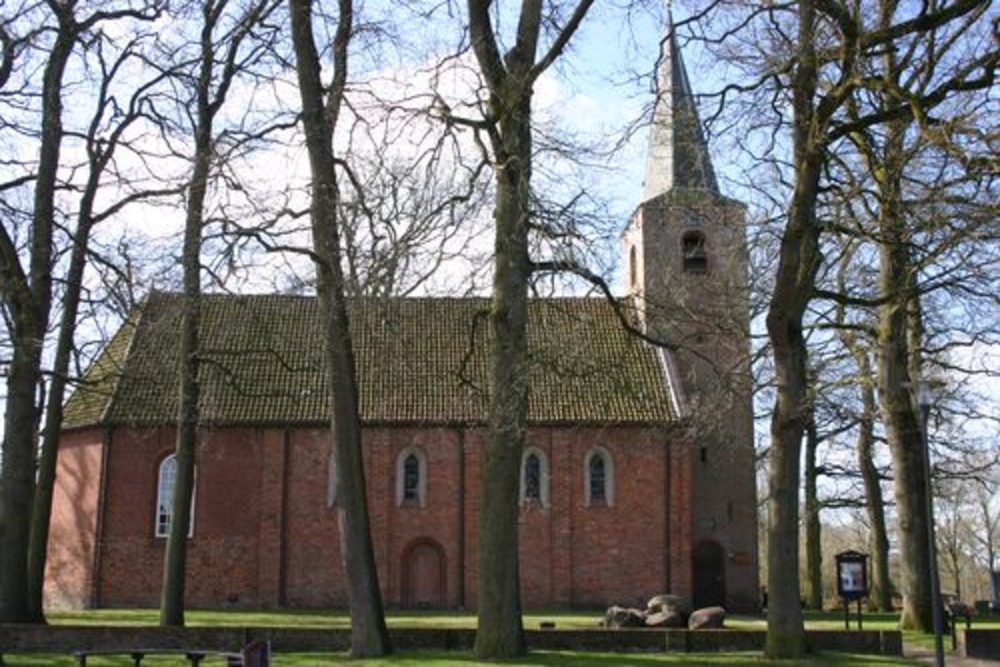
[[667, 602], [709, 618], [620, 617]]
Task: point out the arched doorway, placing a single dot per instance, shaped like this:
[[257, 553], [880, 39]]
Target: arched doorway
[[423, 575], [709, 569]]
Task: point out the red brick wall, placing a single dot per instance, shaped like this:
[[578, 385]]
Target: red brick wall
[[223, 552], [265, 537], [73, 529]]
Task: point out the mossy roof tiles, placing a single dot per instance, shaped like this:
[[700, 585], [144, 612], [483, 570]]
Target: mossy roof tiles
[[419, 360]]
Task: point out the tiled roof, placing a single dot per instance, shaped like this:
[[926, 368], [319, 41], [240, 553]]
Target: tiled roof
[[419, 361]]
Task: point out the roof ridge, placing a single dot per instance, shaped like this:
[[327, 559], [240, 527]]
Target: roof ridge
[[170, 294]]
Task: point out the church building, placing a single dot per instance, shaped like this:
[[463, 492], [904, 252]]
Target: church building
[[637, 476]]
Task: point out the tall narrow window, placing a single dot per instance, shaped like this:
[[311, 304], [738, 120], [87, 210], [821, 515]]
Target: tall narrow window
[[598, 481], [534, 478], [632, 271], [167, 482], [411, 478], [693, 249], [599, 478]]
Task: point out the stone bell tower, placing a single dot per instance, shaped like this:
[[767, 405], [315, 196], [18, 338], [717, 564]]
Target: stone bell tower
[[685, 262]]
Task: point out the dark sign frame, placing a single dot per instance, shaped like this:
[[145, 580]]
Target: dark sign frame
[[852, 581], [852, 575]]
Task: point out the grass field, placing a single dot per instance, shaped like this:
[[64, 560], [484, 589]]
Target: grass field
[[562, 619], [437, 619], [457, 659]]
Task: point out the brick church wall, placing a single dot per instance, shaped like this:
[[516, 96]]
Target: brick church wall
[[73, 529], [264, 535]]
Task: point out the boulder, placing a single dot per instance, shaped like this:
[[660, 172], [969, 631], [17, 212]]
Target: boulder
[[667, 602], [621, 617], [666, 619], [708, 618]]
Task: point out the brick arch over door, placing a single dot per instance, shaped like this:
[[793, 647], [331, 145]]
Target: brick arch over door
[[424, 575], [708, 564]]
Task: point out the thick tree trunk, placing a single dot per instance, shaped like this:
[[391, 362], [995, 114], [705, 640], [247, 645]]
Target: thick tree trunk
[[17, 485], [902, 419], [29, 301], [794, 283], [500, 632], [785, 631], [509, 79], [814, 548], [369, 637]]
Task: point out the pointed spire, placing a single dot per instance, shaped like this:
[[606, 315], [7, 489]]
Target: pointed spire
[[678, 153]]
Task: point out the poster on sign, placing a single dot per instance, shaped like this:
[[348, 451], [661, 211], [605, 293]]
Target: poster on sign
[[852, 575]]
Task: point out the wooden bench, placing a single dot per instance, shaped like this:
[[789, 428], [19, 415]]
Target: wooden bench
[[255, 654], [137, 655]]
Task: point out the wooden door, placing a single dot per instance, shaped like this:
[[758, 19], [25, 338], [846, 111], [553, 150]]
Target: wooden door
[[423, 577], [709, 569]]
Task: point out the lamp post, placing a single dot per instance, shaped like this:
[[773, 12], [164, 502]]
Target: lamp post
[[924, 401]]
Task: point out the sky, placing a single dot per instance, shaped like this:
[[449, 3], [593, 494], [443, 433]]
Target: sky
[[602, 85]]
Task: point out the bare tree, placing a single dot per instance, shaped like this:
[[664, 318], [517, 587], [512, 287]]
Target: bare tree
[[509, 79], [321, 108], [240, 33], [26, 280], [818, 55], [105, 134]]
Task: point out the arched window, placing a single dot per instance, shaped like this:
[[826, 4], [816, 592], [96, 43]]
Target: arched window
[[599, 478], [411, 478], [166, 483], [693, 250], [632, 270], [534, 478]]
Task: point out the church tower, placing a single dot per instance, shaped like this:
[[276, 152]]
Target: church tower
[[685, 262]]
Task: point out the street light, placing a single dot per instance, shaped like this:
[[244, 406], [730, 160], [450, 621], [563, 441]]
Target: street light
[[924, 401]]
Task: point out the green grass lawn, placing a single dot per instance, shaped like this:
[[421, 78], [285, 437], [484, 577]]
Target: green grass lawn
[[309, 619], [458, 659], [451, 619], [827, 620]]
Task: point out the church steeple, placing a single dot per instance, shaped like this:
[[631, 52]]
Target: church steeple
[[685, 262], [678, 153]]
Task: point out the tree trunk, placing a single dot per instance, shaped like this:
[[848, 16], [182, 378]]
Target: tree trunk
[[42, 508], [188, 418], [902, 419], [29, 301], [794, 283], [814, 548], [500, 631], [175, 565], [509, 79], [880, 597], [369, 637], [18, 482]]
